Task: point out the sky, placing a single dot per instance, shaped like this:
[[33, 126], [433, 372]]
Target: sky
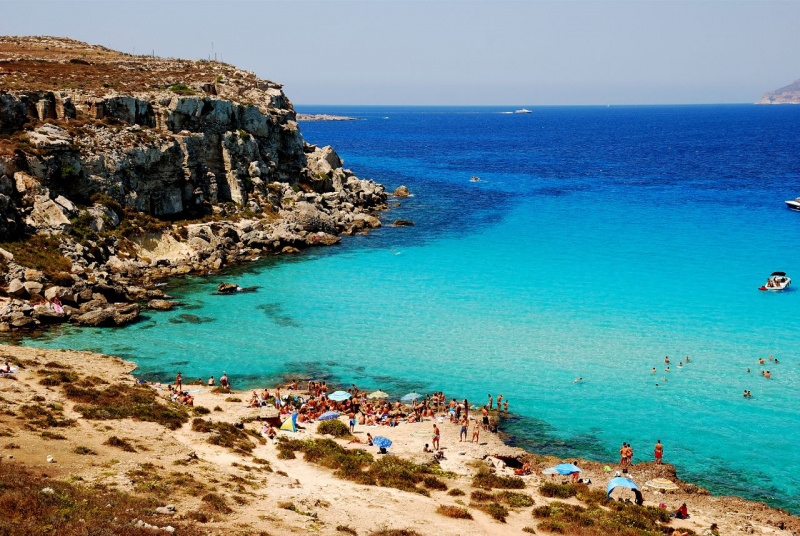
[[440, 52]]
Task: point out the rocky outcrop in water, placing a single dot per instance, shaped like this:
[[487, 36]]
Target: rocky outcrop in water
[[131, 168]]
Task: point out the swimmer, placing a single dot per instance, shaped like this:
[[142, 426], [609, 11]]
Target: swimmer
[[680, 364], [767, 374], [666, 369], [576, 380], [760, 360], [748, 370], [664, 379], [771, 358], [653, 371], [776, 360], [666, 360], [687, 358]]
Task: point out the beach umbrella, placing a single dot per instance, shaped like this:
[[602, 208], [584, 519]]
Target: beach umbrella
[[378, 394], [567, 469], [329, 416], [621, 482], [410, 397], [661, 483], [382, 442], [550, 471], [338, 396]]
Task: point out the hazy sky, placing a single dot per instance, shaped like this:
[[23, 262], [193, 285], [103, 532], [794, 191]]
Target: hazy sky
[[454, 52]]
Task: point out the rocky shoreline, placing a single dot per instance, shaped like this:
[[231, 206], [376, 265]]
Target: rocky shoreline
[[326, 117], [117, 171]]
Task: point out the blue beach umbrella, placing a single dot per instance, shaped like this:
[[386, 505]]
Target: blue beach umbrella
[[410, 397], [567, 469], [621, 482], [338, 396], [382, 442], [329, 416]]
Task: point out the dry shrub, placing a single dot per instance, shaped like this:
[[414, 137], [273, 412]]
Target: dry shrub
[[455, 512]]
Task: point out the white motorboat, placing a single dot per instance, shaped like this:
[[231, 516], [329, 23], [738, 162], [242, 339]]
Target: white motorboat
[[794, 205], [777, 281], [523, 111]]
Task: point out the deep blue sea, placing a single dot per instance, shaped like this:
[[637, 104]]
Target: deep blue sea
[[598, 241]]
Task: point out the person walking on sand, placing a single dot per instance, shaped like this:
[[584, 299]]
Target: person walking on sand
[[463, 435], [436, 435], [476, 432], [659, 452], [179, 382]]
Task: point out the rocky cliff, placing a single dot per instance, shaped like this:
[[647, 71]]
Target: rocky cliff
[[786, 95], [116, 170]]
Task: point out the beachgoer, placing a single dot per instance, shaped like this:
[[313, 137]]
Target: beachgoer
[[499, 402], [490, 401], [178, 382], [666, 360], [687, 358], [622, 451], [748, 370], [223, 381], [659, 451], [476, 432], [426, 448], [211, 381], [6, 369], [352, 422], [776, 360], [760, 360], [369, 439], [681, 513], [505, 408], [767, 374], [666, 369], [576, 474], [436, 436], [653, 371], [485, 418], [463, 435], [576, 380], [680, 364]]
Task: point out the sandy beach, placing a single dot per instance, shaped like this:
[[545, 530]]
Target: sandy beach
[[259, 491]]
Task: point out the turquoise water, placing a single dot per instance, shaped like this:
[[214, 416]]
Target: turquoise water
[[599, 241]]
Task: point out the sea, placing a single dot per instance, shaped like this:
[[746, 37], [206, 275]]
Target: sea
[[598, 241]]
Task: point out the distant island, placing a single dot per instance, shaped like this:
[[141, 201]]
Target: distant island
[[786, 95], [325, 117]]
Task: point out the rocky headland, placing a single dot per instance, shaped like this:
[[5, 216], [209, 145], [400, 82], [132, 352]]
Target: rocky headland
[[325, 117], [786, 95], [119, 170]]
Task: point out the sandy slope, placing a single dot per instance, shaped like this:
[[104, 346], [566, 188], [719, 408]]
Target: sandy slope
[[322, 500]]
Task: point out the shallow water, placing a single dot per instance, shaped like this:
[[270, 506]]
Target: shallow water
[[598, 241]]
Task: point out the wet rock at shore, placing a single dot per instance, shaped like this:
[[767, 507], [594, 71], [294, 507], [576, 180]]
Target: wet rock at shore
[[403, 223], [401, 191], [162, 305], [115, 315]]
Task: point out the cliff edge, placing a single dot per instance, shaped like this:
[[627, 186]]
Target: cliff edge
[[116, 170], [786, 95]]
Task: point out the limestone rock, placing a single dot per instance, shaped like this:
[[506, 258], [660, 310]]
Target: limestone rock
[[401, 191], [402, 223], [162, 305], [34, 288], [47, 215], [17, 288]]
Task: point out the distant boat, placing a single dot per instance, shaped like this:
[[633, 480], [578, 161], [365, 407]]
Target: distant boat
[[794, 205], [523, 111], [475, 179], [777, 281]]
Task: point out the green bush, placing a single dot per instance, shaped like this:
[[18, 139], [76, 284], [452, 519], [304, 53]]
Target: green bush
[[182, 89], [486, 480], [455, 492], [561, 491], [125, 402], [333, 427]]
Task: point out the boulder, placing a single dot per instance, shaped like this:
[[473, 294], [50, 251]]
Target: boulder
[[68, 206], [33, 275], [162, 305], [33, 287], [46, 315], [108, 316], [311, 219], [401, 191], [403, 223], [6, 255], [17, 289], [47, 215]]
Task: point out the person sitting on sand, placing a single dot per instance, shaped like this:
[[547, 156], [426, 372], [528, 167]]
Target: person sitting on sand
[[211, 381], [525, 470], [426, 448], [6, 369], [681, 513]]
